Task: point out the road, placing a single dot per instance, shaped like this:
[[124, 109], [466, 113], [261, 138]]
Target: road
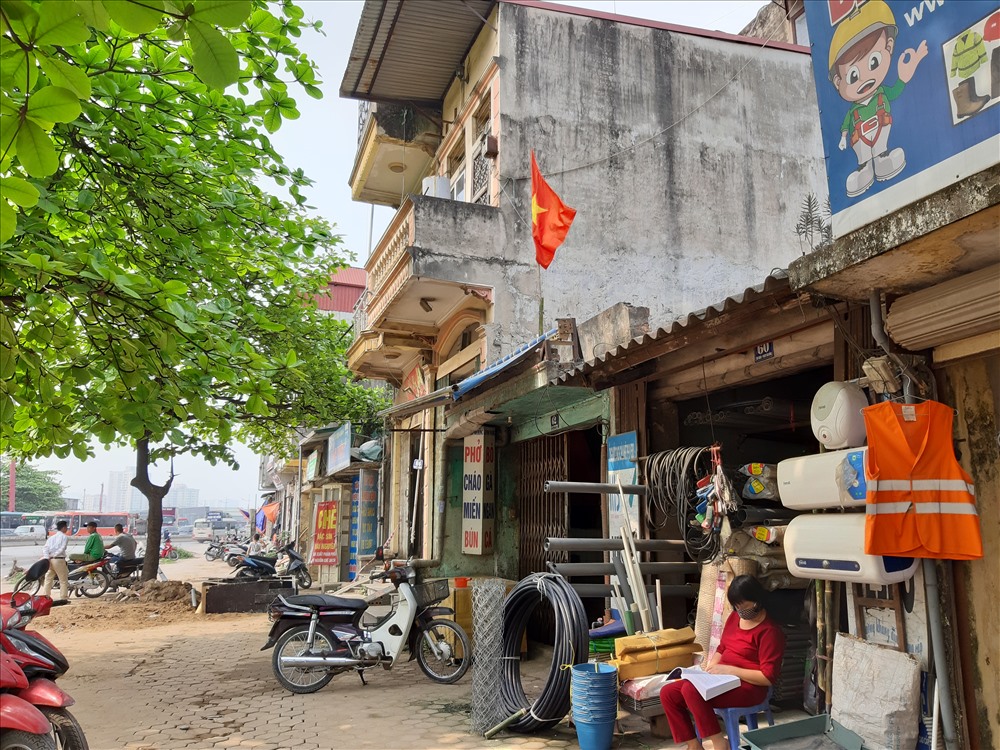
[[26, 552]]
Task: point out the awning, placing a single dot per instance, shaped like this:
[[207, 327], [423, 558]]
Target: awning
[[477, 379], [428, 401]]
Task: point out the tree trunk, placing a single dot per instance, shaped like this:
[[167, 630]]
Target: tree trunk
[[154, 494]]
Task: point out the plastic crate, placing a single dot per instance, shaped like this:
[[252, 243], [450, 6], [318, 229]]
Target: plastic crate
[[431, 592]]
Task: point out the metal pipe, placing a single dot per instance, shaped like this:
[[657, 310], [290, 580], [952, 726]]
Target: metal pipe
[[882, 338], [595, 488], [567, 544], [607, 569], [601, 590], [940, 657], [748, 514]]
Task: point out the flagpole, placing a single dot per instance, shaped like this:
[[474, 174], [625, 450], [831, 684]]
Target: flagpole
[[541, 302]]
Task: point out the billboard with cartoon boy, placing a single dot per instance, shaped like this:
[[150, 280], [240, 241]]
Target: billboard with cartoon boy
[[907, 93]]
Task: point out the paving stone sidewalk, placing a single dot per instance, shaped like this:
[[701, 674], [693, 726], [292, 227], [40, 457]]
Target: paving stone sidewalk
[[208, 686]]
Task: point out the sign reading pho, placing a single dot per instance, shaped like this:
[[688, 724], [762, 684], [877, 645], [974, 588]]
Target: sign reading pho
[[908, 93], [622, 469], [478, 480]]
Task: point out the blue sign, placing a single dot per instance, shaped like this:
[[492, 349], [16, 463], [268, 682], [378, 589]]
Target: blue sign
[[623, 469], [338, 449], [352, 564], [368, 513], [213, 515], [907, 93], [763, 351]]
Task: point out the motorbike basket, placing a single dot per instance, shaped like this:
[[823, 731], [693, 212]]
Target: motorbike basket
[[431, 592]]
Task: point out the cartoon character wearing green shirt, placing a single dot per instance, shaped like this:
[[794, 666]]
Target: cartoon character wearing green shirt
[[860, 58]]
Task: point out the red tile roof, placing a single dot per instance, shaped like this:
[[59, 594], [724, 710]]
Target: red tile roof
[[345, 288]]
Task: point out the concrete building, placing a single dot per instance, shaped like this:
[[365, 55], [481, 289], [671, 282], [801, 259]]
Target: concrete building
[[676, 146]]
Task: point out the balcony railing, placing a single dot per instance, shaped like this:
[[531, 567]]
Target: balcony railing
[[364, 113], [361, 313], [391, 248]]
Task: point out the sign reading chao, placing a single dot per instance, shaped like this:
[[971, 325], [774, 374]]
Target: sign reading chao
[[907, 93], [324, 548], [478, 494]]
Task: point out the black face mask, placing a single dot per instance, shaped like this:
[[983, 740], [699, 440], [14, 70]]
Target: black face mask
[[748, 613]]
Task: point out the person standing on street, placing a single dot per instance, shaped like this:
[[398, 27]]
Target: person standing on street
[[124, 542], [94, 548], [255, 547], [55, 552]]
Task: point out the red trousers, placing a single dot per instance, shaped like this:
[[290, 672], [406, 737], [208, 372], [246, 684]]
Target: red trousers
[[680, 697]]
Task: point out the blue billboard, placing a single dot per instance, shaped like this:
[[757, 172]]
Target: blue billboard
[[907, 93]]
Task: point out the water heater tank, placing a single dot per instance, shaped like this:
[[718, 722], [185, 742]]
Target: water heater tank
[[836, 415], [831, 547], [835, 479]]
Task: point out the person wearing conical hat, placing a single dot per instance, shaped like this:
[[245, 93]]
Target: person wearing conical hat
[[860, 59]]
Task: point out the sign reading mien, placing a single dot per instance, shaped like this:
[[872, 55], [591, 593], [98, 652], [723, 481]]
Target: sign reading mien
[[478, 494]]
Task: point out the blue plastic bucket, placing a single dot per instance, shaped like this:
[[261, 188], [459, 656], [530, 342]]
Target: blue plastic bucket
[[595, 735]]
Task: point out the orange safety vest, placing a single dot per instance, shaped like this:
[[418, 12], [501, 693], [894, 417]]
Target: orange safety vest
[[920, 502]]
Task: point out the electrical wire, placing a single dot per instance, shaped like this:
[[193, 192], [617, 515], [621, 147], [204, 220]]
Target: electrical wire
[[570, 646], [672, 482]]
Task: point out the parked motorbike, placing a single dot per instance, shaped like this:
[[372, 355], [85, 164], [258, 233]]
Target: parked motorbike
[[215, 550], [316, 637], [24, 726], [254, 567], [233, 552], [39, 660], [167, 550]]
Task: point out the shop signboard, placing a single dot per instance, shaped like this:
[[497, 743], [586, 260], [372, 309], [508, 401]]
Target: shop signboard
[[213, 515], [908, 93], [368, 513], [478, 494], [623, 469], [312, 466], [352, 561], [338, 449], [325, 541]]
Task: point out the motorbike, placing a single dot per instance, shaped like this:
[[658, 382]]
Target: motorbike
[[233, 552], [39, 660], [124, 572], [167, 551], [254, 567], [317, 636], [215, 550], [24, 726], [89, 578]]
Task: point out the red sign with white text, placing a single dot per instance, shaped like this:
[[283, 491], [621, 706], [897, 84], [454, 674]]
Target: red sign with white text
[[325, 543]]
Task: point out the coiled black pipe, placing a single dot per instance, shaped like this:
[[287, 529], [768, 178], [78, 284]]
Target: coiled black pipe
[[571, 646]]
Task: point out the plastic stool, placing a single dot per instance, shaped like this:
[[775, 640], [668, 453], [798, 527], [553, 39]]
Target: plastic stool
[[731, 718]]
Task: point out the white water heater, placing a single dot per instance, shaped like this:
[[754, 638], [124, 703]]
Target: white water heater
[[836, 415], [824, 480], [831, 547]]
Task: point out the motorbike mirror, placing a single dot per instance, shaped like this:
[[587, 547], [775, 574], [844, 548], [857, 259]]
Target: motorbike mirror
[[380, 553]]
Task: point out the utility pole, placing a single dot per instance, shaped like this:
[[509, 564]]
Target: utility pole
[[12, 488], [100, 500]]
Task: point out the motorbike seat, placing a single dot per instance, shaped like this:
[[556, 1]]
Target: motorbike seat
[[326, 601], [263, 559]]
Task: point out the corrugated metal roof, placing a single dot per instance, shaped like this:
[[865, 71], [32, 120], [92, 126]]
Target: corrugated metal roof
[[350, 277], [775, 285], [409, 50], [344, 290]]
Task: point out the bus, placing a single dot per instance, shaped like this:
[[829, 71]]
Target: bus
[[206, 529], [10, 519], [44, 518], [78, 520]]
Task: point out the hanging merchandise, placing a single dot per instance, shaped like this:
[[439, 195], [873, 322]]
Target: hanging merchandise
[[920, 502], [836, 415], [835, 479], [684, 486], [762, 481]]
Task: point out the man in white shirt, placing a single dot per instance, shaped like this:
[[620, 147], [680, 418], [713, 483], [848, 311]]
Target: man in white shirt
[[55, 552]]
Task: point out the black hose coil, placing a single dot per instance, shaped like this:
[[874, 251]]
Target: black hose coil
[[571, 646]]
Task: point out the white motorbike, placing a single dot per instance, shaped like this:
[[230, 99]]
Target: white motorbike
[[319, 636]]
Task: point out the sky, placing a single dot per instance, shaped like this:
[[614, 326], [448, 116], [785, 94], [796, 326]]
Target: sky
[[323, 142]]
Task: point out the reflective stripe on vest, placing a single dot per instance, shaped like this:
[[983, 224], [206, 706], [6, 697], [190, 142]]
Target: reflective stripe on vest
[[955, 509], [933, 485]]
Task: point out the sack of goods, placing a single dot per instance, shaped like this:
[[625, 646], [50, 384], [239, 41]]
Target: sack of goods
[[657, 652], [762, 482]]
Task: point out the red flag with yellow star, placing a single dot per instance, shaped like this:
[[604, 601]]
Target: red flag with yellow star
[[550, 217]]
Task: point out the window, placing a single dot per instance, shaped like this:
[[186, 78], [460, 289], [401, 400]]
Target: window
[[458, 185], [481, 165], [801, 30], [456, 171]]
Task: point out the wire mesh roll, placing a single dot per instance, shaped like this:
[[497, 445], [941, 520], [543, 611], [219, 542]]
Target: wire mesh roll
[[571, 646], [487, 630]]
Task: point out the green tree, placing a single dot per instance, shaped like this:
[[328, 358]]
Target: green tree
[[153, 294], [34, 490]]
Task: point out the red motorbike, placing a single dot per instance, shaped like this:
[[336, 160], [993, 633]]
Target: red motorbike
[[167, 551], [22, 726], [40, 662]]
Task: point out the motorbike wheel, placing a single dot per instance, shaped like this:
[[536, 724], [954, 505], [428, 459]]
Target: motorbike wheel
[[95, 584], [246, 574], [212, 554], [233, 562], [66, 730], [305, 580], [293, 643], [17, 740], [172, 555], [455, 652]]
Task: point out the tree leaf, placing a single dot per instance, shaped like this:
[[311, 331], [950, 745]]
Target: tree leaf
[[139, 18], [272, 120], [94, 13], [225, 13], [60, 24], [8, 223], [19, 192], [215, 60], [67, 76], [18, 71], [36, 150], [53, 104]]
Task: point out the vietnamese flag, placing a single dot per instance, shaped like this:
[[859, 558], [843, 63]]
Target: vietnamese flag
[[550, 217]]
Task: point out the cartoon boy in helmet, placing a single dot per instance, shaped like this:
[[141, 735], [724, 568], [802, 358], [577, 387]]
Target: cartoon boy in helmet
[[860, 57]]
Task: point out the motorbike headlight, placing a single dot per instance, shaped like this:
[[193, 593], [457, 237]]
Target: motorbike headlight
[[14, 620], [24, 648]]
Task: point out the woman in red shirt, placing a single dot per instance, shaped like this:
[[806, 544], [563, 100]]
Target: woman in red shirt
[[751, 648]]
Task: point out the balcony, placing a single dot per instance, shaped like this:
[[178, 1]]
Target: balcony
[[422, 274], [396, 147]]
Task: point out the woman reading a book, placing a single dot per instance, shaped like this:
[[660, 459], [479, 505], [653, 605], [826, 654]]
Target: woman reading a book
[[751, 648]]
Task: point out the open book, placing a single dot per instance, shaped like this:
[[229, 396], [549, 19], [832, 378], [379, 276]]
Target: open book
[[709, 685]]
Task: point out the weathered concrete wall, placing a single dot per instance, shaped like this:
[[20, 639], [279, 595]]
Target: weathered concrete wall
[[769, 23], [684, 219], [973, 386], [610, 328]]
